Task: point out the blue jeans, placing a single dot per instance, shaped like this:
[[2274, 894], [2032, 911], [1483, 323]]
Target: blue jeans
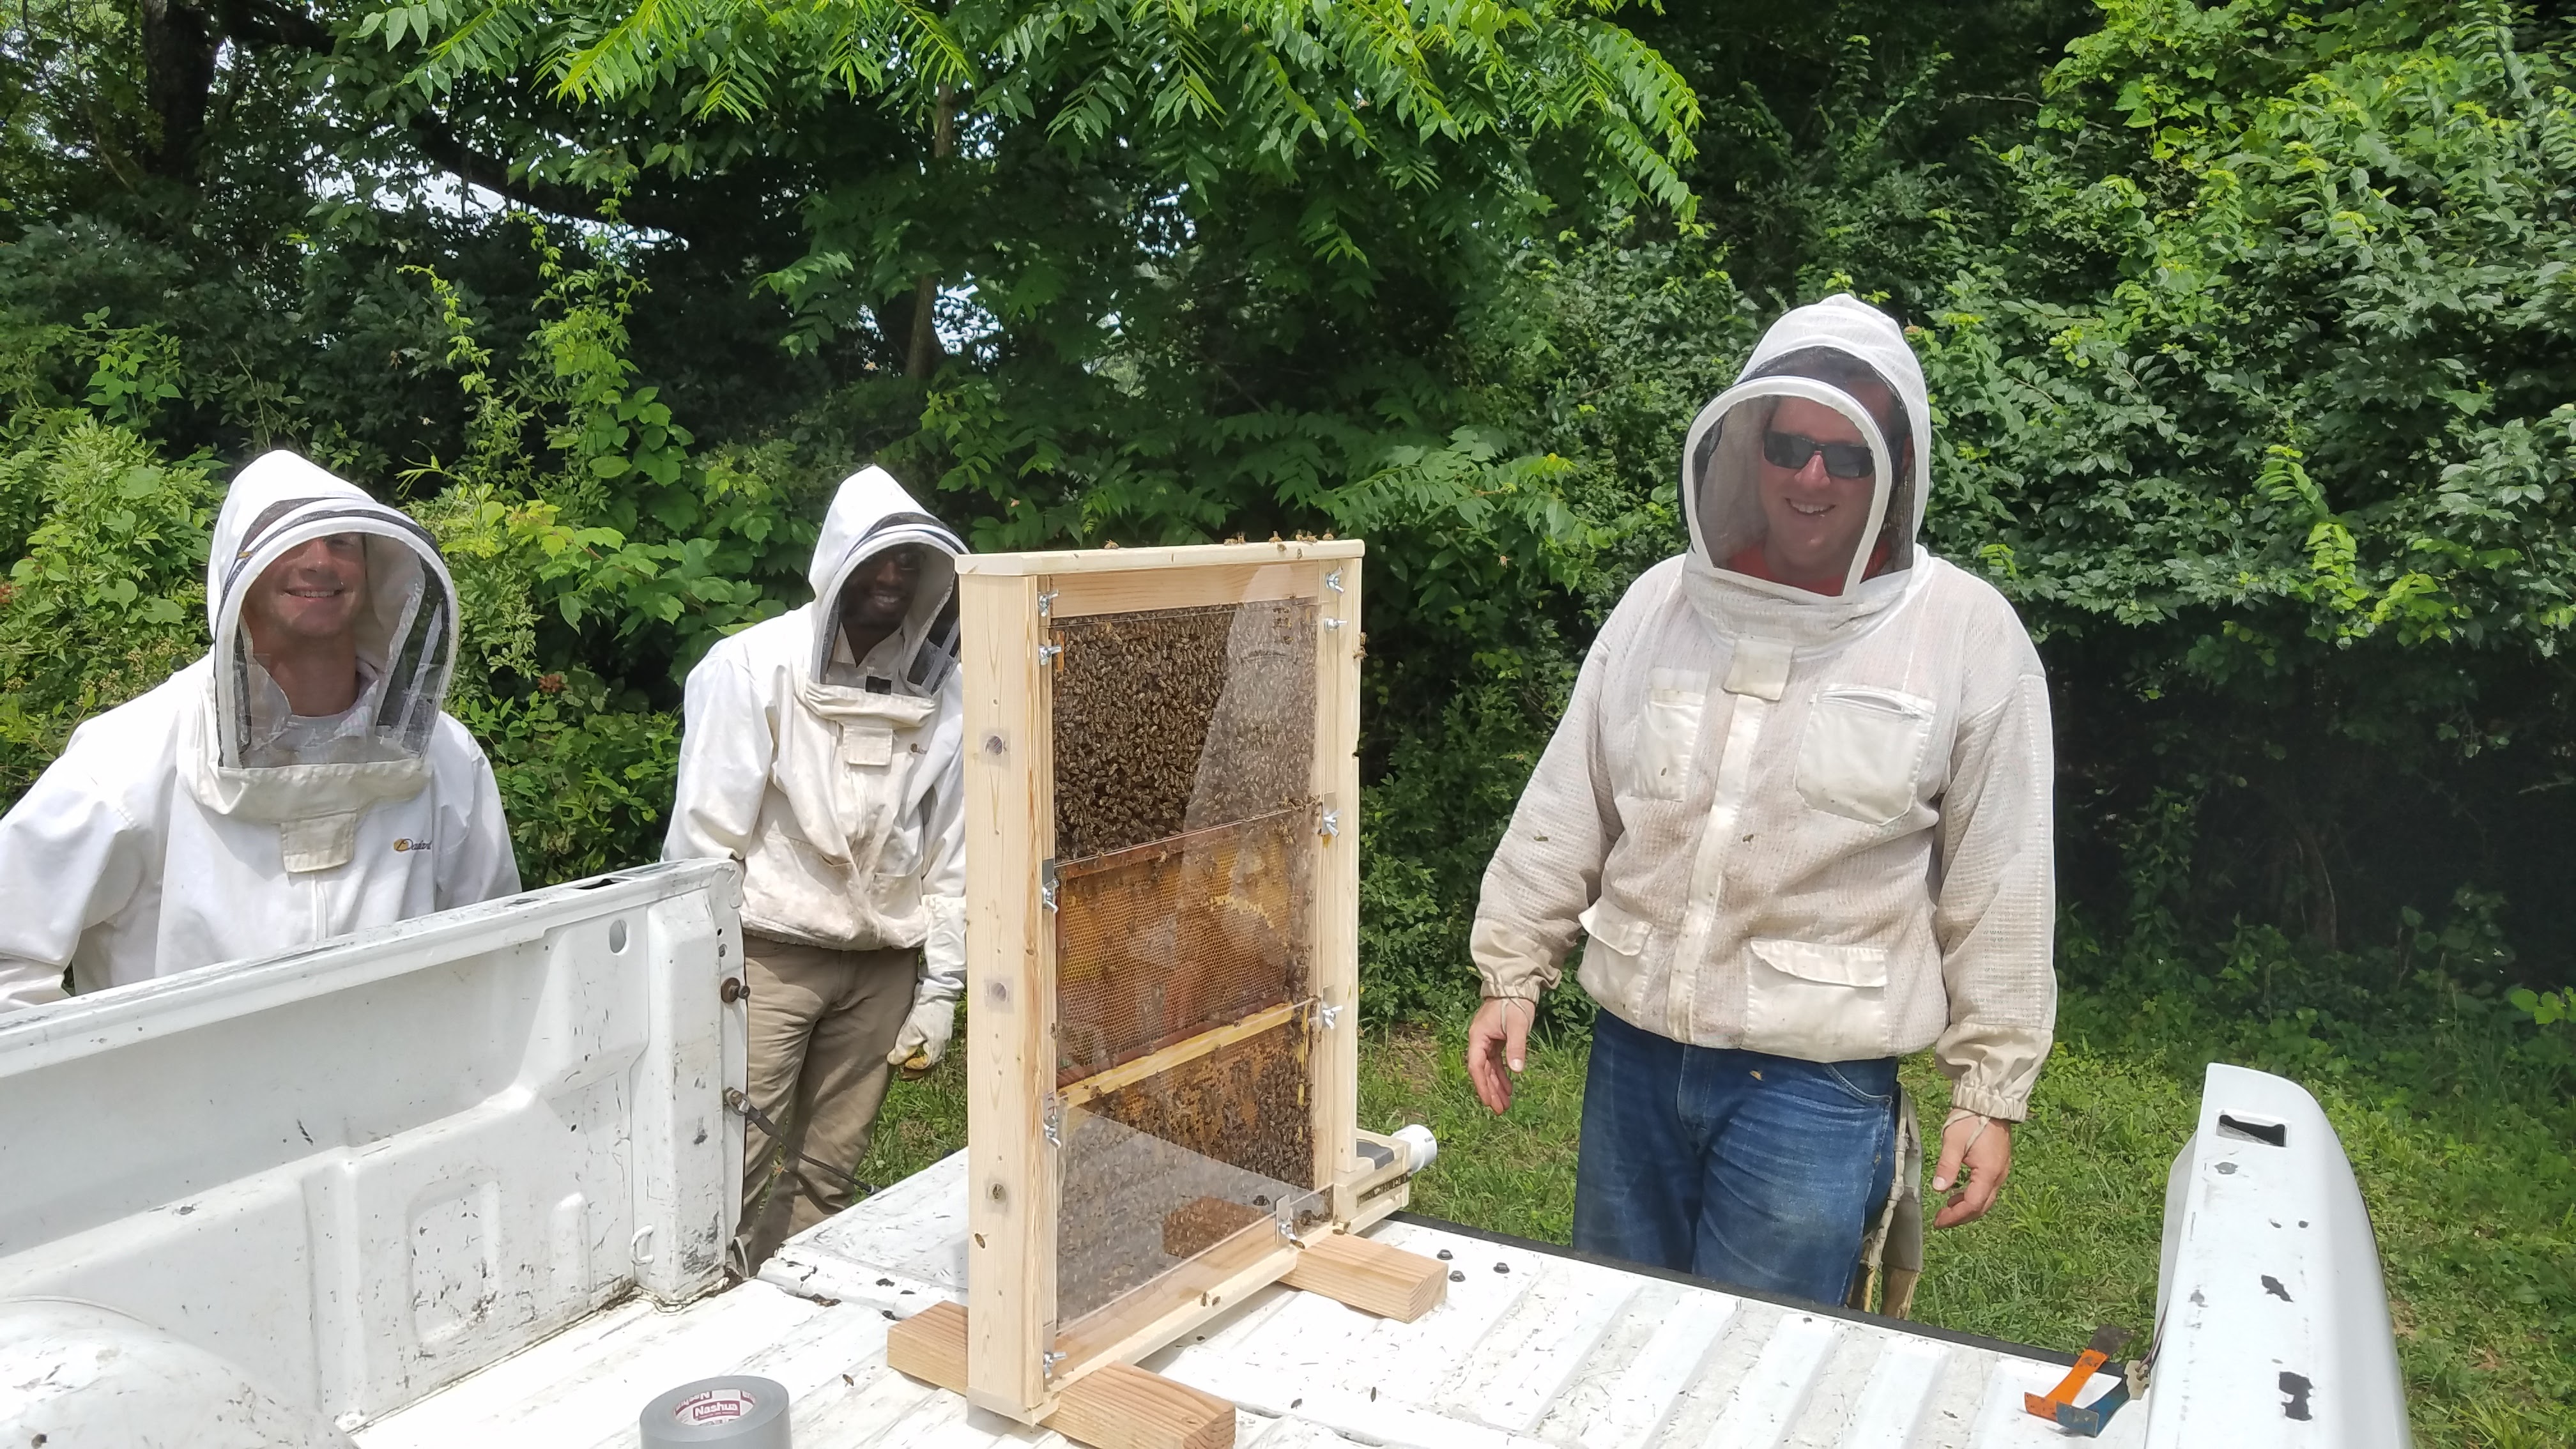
[[1751, 1169]]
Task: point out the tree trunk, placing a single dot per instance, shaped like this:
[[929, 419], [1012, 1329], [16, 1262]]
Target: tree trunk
[[179, 48], [925, 353]]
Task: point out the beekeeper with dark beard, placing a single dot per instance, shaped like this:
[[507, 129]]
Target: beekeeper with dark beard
[[822, 752]]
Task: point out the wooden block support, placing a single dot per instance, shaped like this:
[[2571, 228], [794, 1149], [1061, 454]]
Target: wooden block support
[[1370, 1276], [1118, 1406]]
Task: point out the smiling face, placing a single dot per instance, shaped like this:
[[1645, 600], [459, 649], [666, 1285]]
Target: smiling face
[[309, 596], [1815, 519], [878, 596]]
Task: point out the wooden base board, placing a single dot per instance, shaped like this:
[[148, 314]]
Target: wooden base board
[[1370, 1276], [1115, 1407]]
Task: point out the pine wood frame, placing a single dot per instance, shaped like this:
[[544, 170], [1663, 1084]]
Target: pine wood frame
[[1006, 605]]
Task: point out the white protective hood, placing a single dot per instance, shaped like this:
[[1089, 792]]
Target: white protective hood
[[229, 757], [838, 784], [1722, 457], [869, 515]]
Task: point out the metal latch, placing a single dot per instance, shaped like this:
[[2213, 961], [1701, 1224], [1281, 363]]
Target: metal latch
[[1331, 825], [1328, 1015], [1051, 1120], [1046, 604], [1049, 653], [1047, 1360], [1333, 581], [1046, 884]]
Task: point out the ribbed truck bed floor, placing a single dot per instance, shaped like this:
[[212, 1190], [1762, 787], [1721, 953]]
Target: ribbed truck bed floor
[[1532, 1347]]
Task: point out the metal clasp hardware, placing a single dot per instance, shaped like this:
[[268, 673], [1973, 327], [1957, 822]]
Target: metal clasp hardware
[[1046, 884], [1047, 1360], [1046, 604], [1049, 653], [1333, 581], [1331, 825], [1328, 1015], [1051, 1120], [1332, 623]]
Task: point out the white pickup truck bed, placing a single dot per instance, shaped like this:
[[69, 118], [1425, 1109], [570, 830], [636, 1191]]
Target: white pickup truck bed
[[1532, 1347], [463, 1183]]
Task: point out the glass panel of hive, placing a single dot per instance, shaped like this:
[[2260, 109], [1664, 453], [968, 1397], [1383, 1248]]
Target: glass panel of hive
[[1180, 719], [1160, 942], [1174, 1182]]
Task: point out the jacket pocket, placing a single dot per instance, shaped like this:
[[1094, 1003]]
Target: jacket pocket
[[1615, 929], [1668, 736], [1817, 1003], [1861, 754], [867, 743]]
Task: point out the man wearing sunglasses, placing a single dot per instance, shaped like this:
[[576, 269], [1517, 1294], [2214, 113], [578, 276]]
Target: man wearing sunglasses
[[1800, 806]]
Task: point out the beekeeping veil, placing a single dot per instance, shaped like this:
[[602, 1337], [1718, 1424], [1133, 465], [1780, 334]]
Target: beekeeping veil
[[246, 754], [1824, 352], [870, 515]]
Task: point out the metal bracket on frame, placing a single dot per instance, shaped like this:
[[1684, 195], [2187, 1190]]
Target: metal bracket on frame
[[1331, 825], [1046, 884], [1051, 1120]]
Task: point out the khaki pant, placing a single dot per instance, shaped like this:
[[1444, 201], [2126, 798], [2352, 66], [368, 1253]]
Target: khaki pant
[[822, 1022]]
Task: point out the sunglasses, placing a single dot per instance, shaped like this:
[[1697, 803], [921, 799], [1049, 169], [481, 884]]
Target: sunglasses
[[1792, 450]]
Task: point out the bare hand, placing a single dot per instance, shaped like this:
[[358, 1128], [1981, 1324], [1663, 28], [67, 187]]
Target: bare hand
[[1984, 1146], [1496, 1039]]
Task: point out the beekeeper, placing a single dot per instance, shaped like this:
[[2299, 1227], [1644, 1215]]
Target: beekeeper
[[298, 782], [822, 752], [1800, 805]]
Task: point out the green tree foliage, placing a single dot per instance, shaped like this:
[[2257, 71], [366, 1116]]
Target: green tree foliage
[[2246, 324], [2263, 419]]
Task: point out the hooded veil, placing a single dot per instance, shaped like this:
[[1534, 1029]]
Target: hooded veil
[[1823, 353], [247, 755]]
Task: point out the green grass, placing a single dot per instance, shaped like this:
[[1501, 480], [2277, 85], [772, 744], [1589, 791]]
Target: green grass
[[2471, 1191]]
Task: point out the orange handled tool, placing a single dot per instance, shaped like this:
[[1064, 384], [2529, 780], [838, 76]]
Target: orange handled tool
[[2058, 1406]]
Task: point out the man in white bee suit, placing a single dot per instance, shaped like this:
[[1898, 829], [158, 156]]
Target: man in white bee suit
[[822, 752], [298, 782], [1800, 805]]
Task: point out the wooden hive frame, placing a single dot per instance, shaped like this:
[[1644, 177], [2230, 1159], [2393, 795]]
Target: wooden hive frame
[[1010, 605]]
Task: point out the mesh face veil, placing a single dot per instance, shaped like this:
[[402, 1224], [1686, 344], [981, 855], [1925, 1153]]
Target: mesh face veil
[[1756, 517], [1790, 478], [927, 638], [406, 641]]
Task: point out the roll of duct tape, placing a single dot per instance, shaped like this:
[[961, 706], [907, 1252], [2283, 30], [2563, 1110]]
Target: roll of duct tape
[[737, 1411]]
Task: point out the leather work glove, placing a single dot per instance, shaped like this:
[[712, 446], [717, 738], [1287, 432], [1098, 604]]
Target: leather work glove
[[924, 1037]]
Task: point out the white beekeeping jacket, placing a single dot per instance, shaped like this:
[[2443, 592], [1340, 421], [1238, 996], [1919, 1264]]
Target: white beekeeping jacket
[[203, 822], [1815, 825], [838, 782]]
